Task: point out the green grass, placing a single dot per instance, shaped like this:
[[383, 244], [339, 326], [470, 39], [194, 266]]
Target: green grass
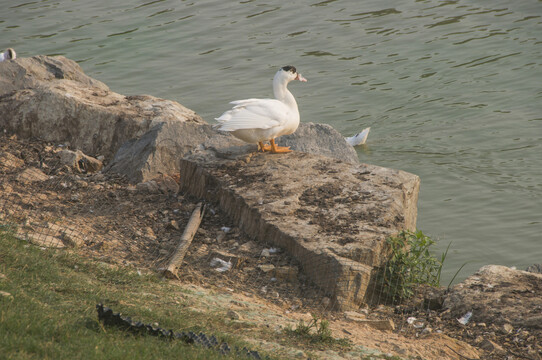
[[411, 264], [317, 331], [51, 312]]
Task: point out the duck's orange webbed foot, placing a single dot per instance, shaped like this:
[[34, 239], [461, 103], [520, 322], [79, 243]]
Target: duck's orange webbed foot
[[264, 147], [278, 149]]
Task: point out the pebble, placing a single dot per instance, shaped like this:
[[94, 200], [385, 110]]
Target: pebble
[[232, 315], [507, 328]]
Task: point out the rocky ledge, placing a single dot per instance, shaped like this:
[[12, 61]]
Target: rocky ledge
[[332, 216]]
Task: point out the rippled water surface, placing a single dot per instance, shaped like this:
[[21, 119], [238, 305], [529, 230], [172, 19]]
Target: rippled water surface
[[451, 89]]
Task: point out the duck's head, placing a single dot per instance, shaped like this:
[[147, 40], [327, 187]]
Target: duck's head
[[290, 73]]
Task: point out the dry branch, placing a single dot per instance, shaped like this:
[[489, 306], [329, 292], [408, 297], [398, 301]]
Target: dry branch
[[185, 241]]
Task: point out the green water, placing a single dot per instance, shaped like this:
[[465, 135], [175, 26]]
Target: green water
[[452, 90]]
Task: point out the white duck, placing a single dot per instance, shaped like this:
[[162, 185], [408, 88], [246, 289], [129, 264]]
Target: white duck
[[257, 120], [9, 54]]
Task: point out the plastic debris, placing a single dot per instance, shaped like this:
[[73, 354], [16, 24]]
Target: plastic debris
[[220, 265], [463, 320], [225, 229], [415, 323], [269, 252]]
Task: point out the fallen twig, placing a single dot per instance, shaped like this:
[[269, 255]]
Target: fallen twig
[[185, 241]]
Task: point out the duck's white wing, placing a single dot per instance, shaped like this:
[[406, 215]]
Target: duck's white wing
[[359, 138], [253, 114], [2, 57]]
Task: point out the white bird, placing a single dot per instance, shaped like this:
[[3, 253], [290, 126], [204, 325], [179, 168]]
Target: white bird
[[359, 138], [257, 120], [9, 54]]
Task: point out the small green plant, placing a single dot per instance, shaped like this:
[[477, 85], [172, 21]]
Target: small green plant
[[316, 331], [411, 264]]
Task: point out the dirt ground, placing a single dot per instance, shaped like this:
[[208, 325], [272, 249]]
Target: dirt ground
[[104, 217]]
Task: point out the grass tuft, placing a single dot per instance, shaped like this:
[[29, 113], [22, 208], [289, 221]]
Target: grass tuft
[[411, 264]]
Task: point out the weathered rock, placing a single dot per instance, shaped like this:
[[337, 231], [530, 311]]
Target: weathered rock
[[159, 149], [490, 346], [235, 260], [382, 325], [32, 174], [287, 273], [150, 187], [249, 247], [354, 316], [80, 162], [320, 139], [332, 216], [233, 315], [51, 98], [9, 161], [499, 295], [536, 268], [266, 268]]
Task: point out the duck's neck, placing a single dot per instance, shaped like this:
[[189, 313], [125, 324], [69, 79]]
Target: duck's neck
[[282, 93]]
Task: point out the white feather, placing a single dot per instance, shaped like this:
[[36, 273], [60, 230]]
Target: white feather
[[359, 138]]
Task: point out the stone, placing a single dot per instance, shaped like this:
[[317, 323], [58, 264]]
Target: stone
[[353, 316], [319, 139], [531, 321], [490, 346], [235, 260], [266, 268], [51, 98], [150, 187], [167, 184], [80, 162], [287, 273], [149, 233], [332, 216], [249, 247], [536, 268], [508, 328], [382, 325], [174, 225], [232, 315], [42, 239], [32, 174], [73, 239], [9, 161], [498, 295]]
